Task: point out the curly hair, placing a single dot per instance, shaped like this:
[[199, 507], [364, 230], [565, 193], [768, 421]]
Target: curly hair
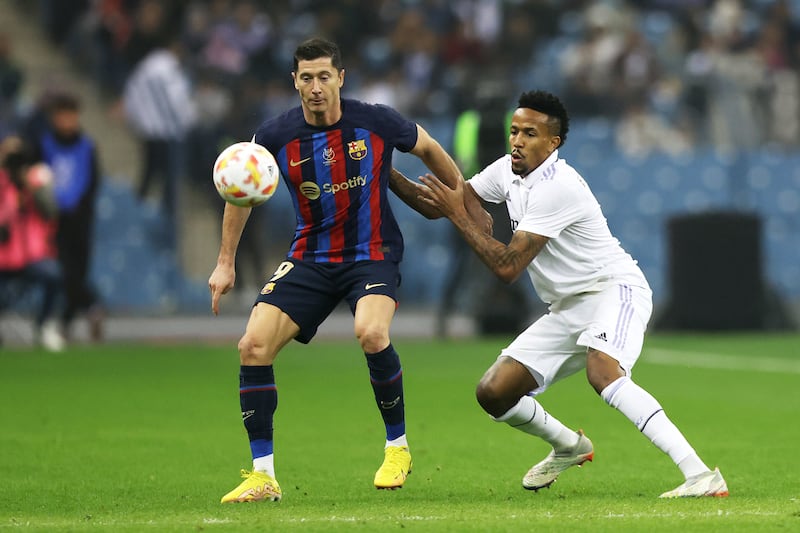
[[550, 105]]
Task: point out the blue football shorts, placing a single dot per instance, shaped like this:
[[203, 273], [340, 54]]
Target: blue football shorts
[[309, 292]]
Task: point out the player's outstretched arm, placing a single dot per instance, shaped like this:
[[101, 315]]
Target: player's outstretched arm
[[442, 165], [224, 274], [506, 262], [409, 192]]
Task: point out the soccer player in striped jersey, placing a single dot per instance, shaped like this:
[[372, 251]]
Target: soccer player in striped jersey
[[600, 301], [335, 156]]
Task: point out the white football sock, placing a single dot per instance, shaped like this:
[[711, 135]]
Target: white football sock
[[647, 414], [399, 441], [265, 464], [529, 416]]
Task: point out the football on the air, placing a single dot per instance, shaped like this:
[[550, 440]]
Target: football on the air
[[246, 174]]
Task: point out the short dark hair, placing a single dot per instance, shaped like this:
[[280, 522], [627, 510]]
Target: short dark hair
[[550, 105], [316, 48], [63, 101]]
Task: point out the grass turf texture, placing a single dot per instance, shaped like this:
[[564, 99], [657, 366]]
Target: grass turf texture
[[131, 438]]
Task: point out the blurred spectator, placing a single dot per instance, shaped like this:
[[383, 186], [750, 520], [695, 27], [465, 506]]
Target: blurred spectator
[[96, 41], [774, 45], [72, 156], [387, 89], [197, 26], [149, 24], [11, 78], [60, 16], [697, 85], [588, 65], [235, 39], [159, 105], [415, 46], [738, 82], [27, 227], [640, 132], [636, 69]]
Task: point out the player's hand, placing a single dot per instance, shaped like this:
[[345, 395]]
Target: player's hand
[[449, 201], [220, 282]]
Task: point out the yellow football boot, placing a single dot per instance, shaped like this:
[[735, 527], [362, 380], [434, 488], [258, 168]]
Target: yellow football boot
[[395, 468], [256, 487]]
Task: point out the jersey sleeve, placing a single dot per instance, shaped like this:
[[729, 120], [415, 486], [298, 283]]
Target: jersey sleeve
[[488, 183], [275, 132], [553, 207], [262, 136], [400, 131]]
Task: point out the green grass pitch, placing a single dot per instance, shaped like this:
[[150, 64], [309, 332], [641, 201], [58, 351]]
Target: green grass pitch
[[149, 437]]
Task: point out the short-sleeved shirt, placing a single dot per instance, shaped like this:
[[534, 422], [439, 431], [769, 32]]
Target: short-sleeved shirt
[[338, 178], [554, 201]]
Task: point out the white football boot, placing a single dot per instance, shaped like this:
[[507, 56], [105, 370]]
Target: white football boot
[[708, 483], [547, 471]]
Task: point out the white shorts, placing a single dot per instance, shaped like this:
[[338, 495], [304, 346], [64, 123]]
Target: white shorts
[[612, 321]]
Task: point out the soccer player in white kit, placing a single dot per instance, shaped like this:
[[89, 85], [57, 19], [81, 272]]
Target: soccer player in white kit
[[599, 300]]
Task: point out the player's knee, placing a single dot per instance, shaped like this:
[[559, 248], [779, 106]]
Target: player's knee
[[601, 369], [491, 398], [254, 352], [373, 339], [594, 380]]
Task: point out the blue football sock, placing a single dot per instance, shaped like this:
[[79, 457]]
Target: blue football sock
[[258, 397], [386, 376]]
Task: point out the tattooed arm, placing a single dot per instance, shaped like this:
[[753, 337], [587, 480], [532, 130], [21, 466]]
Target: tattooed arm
[[506, 261]]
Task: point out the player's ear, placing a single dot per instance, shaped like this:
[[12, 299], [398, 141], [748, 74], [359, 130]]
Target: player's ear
[[294, 80], [556, 140], [341, 77]]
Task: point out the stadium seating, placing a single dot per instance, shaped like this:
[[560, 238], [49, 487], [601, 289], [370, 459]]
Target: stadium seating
[[135, 273]]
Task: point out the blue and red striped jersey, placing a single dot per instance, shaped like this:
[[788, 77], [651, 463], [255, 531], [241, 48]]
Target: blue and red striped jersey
[[338, 177]]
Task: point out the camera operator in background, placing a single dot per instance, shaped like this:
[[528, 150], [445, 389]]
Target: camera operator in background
[[28, 213]]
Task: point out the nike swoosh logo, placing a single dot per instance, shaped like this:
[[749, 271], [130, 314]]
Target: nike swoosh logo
[[389, 405], [293, 163], [369, 286]]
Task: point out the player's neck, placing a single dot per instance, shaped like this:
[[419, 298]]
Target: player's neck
[[325, 118]]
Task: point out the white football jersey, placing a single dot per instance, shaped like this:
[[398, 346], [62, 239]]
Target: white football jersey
[[554, 201]]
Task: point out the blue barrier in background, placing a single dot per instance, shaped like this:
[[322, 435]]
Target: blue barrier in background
[[135, 273]]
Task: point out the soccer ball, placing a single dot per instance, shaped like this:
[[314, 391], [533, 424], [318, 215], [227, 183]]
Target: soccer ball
[[246, 174]]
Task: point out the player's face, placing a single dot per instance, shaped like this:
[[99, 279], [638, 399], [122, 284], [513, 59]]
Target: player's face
[[531, 140], [319, 83]]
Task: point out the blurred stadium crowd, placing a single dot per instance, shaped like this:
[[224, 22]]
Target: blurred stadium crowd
[[677, 105], [674, 73]]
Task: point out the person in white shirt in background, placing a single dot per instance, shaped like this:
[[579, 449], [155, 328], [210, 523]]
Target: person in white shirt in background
[[160, 108], [599, 300]]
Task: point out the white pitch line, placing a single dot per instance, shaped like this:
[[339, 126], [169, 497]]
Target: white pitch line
[[692, 514], [754, 363]]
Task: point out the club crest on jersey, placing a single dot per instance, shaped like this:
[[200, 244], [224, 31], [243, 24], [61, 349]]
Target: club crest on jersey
[[357, 149], [268, 288], [328, 156]]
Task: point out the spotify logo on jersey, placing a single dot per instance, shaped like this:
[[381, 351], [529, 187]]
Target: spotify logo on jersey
[[310, 190]]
